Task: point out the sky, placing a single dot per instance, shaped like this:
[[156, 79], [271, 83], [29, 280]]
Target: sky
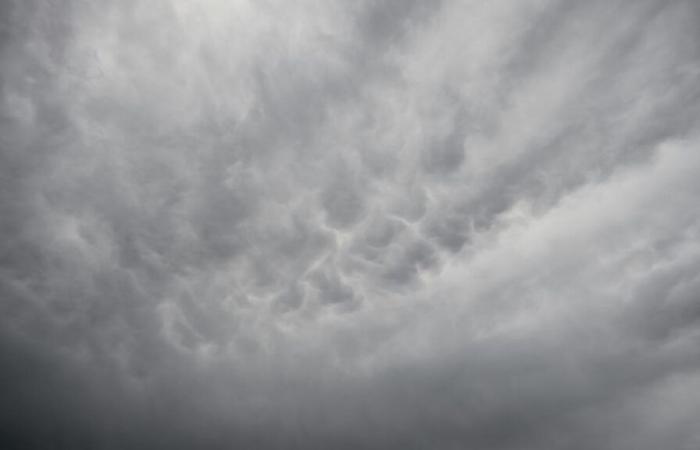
[[328, 224]]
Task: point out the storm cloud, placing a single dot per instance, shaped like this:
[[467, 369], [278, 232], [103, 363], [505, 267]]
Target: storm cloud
[[350, 225]]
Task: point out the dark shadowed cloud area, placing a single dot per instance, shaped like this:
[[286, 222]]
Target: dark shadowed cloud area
[[376, 224]]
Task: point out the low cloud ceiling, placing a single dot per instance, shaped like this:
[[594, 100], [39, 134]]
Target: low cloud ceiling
[[350, 225]]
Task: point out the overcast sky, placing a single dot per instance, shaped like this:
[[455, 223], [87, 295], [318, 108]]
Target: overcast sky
[[331, 224]]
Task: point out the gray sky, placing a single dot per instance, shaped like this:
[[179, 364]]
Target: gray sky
[[350, 225]]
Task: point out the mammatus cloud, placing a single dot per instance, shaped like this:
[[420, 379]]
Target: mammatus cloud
[[366, 225]]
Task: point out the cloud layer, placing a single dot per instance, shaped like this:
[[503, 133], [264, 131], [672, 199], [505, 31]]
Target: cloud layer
[[328, 224]]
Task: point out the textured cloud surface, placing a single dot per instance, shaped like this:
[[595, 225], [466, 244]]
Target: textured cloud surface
[[364, 225]]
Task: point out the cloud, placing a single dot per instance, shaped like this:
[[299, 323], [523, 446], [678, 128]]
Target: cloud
[[331, 225]]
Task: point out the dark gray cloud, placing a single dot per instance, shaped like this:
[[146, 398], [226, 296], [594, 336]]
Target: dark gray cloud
[[330, 225]]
